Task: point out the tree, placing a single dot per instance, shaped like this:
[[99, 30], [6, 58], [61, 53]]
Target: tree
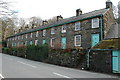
[[7, 25], [5, 9], [21, 24], [118, 12], [115, 12], [35, 21], [52, 20]]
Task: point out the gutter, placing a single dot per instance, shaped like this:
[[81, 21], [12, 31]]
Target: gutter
[[57, 25]]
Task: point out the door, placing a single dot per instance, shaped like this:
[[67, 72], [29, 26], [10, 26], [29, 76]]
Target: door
[[115, 61], [44, 41], [63, 42], [95, 39]]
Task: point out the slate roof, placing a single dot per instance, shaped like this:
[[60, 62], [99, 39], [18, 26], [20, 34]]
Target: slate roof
[[67, 20], [108, 44]]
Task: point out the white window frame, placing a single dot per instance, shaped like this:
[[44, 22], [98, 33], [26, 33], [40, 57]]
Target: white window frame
[[25, 43], [36, 42], [52, 30], [13, 38], [75, 40], [37, 33], [76, 26], [31, 34], [44, 32], [95, 25], [26, 36], [51, 42], [64, 28], [22, 36]]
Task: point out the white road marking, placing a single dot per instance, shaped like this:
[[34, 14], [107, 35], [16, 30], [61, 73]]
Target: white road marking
[[60, 75], [27, 64], [1, 76]]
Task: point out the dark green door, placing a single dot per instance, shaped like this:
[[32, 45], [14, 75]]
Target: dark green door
[[95, 39], [63, 42], [116, 61]]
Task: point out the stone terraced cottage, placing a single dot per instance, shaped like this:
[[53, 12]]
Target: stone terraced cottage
[[82, 31]]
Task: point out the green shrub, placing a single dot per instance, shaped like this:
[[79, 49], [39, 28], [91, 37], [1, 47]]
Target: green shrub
[[5, 50], [39, 52]]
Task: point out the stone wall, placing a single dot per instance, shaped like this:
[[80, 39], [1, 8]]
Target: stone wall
[[101, 61]]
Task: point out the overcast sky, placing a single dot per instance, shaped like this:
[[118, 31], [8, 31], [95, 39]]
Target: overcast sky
[[48, 8]]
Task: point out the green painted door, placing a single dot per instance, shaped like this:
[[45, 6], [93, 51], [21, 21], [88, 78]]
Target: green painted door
[[116, 61], [95, 39], [44, 41], [31, 43], [63, 42]]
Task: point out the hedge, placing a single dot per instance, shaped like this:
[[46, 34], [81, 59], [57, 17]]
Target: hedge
[[39, 52]]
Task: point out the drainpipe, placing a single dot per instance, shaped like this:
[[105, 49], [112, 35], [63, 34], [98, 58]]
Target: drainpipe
[[101, 26], [88, 58]]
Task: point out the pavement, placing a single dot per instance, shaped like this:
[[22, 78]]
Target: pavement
[[16, 67]]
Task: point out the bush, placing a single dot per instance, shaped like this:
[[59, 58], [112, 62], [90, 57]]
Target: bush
[[39, 53], [5, 50]]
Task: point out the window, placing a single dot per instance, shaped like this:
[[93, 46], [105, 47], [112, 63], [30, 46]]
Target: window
[[26, 36], [31, 43], [25, 43], [77, 26], [52, 42], [77, 40], [52, 30], [95, 23], [44, 32], [37, 34], [22, 36], [36, 42], [44, 41], [31, 35], [13, 38], [13, 44], [64, 29]]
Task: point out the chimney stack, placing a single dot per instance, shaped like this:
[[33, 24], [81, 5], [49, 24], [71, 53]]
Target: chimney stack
[[44, 22], [108, 4], [78, 12], [19, 30], [59, 18]]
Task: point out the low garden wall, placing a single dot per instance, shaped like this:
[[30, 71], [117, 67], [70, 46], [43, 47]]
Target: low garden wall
[[63, 57]]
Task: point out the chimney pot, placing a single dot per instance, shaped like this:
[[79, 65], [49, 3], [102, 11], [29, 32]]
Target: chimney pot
[[108, 4], [44, 22], [59, 18], [78, 12]]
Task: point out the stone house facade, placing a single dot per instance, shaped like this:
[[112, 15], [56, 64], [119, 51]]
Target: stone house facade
[[82, 31]]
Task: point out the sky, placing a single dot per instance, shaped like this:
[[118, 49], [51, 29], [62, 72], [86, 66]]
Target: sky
[[49, 8]]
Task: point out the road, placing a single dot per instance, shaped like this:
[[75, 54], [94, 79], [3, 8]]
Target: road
[[16, 67]]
